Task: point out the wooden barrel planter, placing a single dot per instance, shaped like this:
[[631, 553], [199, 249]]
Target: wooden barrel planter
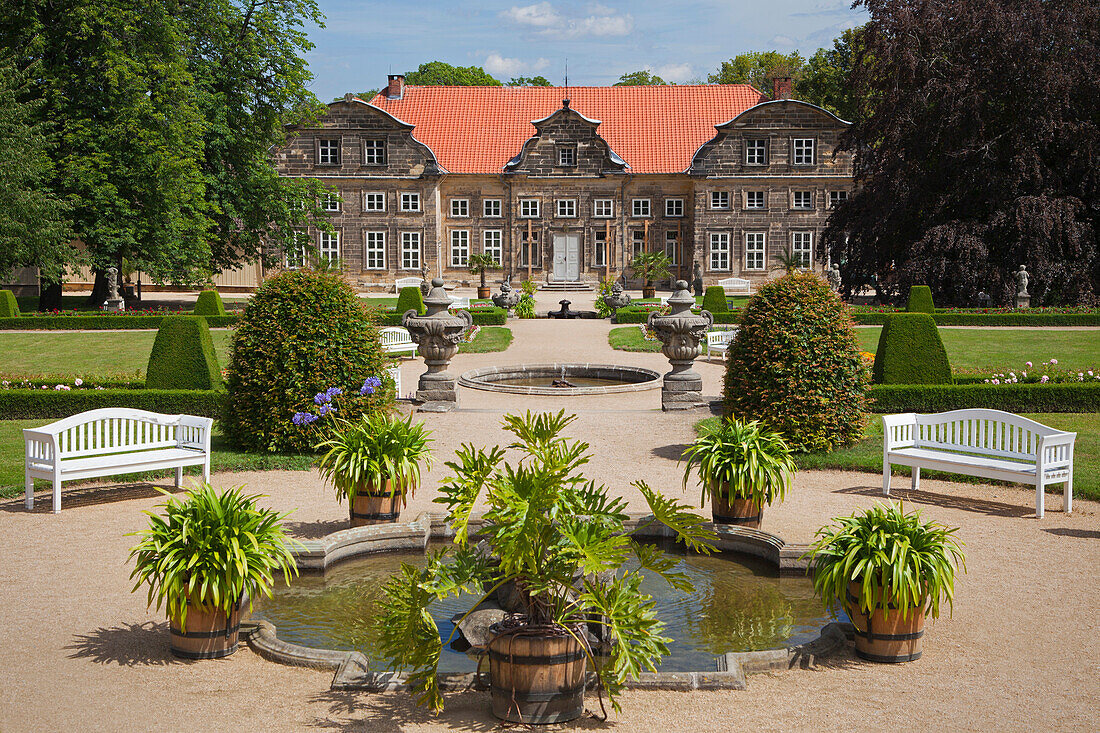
[[537, 676], [210, 634], [742, 512], [369, 507], [885, 636]]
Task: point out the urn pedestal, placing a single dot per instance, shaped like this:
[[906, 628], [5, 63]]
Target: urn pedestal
[[437, 334], [680, 333]]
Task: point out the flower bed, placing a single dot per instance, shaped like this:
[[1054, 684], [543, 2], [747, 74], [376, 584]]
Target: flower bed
[[1045, 374]]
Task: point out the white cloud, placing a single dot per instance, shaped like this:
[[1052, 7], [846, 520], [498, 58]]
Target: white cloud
[[782, 41], [600, 25], [501, 66], [601, 20], [541, 15], [674, 72]]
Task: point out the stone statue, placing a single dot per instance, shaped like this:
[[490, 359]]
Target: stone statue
[[833, 275], [697, 282], [680, 333], [114, 301], [1021, 281], [616, 299], [506, 298]]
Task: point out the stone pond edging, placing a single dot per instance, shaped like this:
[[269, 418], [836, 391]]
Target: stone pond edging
[[485, 378]]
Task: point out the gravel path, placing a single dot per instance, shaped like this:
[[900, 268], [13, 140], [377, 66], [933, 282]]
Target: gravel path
[[80, 652]]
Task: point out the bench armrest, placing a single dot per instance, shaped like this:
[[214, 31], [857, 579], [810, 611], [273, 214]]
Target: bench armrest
[[899, 431], [194, 432], [39, 445], [1055, 451]]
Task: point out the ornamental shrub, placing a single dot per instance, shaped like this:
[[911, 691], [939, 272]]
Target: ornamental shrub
[[795, 365], [910, 351], [209, 303], [410, 298], [920, 300], [304, 333], [714, 300], [183, 356], [9, 307]]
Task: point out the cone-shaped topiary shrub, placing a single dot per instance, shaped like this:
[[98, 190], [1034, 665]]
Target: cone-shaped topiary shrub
[[9, 307], [920, 300], [304, 340], [795, 365], [209, 304], [910, 351], [714, 299], [410, 298], [183, 356]]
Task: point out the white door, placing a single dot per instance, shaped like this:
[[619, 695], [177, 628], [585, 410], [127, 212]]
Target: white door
[[567, 257]]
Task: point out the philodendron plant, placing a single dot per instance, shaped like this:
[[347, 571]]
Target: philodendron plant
[[750, 461], [559, 537]]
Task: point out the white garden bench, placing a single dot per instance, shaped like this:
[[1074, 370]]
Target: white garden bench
[[114, 441], [459, 301], [986, 443], [736, 286], [406, 282], [720, 341], [396, 340]]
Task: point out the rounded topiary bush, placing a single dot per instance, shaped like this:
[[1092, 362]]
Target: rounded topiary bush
[[795, 365], [910, 351], [920, 300], [714, 299], [183, 356], [302, 335], [9, 306], [410, 298], [209, 303]]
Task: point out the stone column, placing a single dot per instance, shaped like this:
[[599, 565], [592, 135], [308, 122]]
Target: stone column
[[680, 333], [437, 334]]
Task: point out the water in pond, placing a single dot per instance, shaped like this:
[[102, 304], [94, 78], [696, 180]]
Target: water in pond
[[739, 604], [549, 381]]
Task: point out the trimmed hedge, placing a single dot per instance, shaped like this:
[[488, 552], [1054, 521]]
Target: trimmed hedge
[[209, 303], [920, 300], [30, 404], [1068, 397], [102, 322], [9, 307], [631, 315], [714, 299], [910, 351], [410, 297], [491, 316], [992, 320], [183, 356]]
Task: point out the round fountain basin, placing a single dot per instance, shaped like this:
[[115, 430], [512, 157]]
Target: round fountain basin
[[583, 379]]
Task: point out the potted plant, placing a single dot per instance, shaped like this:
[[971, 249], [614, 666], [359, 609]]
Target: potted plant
[[478, 265], [375, 463], [743, 467], [650, 267], [208, 552], [889, 570], [552, 553]]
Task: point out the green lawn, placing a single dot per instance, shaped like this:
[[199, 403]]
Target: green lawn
[[629, 338], [490, 338], [867, 454], [981, 351], [222, 458]]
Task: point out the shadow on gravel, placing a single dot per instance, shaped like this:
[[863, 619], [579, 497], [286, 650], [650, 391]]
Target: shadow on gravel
[[671, 452], [128, 645], [966, 504], [1085, 534], [315, 530], [90, 496]]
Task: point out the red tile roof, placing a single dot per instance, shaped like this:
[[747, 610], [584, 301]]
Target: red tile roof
[[654, 129]]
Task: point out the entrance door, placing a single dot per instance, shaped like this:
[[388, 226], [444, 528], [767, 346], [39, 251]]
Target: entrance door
[[567, 257]]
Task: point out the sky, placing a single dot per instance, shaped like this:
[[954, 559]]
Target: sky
[[363, 40]]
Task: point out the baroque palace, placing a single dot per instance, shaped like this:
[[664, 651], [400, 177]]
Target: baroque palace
[[567, 184]]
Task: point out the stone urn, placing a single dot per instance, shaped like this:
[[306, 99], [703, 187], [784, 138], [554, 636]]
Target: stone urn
[[506, 298], [437, 334], [616, 299], [680, 333]]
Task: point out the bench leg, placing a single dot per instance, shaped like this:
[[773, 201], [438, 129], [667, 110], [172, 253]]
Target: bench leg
[[28, 489], [179, 476], [916, 477], [885, 478], [206, 470], [1067, 496], [57, 493], [1039, 499]]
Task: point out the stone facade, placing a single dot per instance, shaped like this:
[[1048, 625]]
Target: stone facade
[[571, 202]]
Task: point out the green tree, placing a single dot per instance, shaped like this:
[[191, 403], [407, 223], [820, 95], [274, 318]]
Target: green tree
[[758, 68], [529, 81], [640, 79], [442, 74], [824, 79]]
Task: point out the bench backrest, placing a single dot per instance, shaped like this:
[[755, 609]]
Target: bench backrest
[[117, 430], [460, 302], [407, 282], [721, 338], [983, 432], [394, 336]]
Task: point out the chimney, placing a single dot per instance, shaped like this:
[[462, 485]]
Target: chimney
[[396, 86], [781, 87]]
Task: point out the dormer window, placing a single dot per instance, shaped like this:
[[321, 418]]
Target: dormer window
[[756, 152], [567, 156], [374, 152], [802, 151], [328, 152]]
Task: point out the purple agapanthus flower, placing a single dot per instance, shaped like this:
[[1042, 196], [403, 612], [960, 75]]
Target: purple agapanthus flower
[[320, 398], [333, 391], [370, 384], [326, 409], [304, 418]]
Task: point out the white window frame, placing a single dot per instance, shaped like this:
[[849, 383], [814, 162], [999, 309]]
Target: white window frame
[[672, 246], [637, 242], [410, 245], [808, 196], [671, 204], [496, 249], [328, 245], [374, 249], [756, 151], [410, 201], [802, 247], [763, 200], [803, 150], [460, 208], [718, 250], [603, 208], [720, 200], [374, 154], [756, 246], [330, 202], [636, 206], [492, 208], [565, 208], [460, 240], [599, 247], [326, 146], [378, 196], [572, 151], [300, 252], [528, 208], [835, 197], [536, 247]]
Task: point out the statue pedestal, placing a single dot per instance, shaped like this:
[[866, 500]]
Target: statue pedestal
[[1023, 301], [682, 390], [436, 393], [114, 305]]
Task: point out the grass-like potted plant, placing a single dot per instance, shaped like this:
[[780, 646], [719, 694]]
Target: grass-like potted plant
[[478, 265], [558, 541], [889, 570], [202, 557], [375, 463], [742, 467], [650, 267]]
